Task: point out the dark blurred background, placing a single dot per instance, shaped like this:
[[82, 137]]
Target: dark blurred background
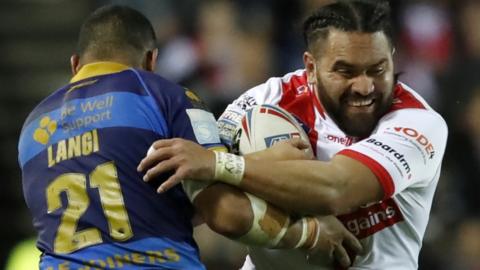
[[221, 48]]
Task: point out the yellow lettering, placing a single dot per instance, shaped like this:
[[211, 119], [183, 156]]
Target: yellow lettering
[[98, 262], [126, 258], [51, 161], [95, 141], [172, 255], [155, 256], [61, 151], [138, 258], [110, 262], [64, 266], [119, 261], [74, 147], [87, 143]]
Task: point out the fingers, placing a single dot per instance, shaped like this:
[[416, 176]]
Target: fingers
[[157, 170], [164, 143], [341, 256], [161, 153], [352, 243], [171, 182], [299, 143]]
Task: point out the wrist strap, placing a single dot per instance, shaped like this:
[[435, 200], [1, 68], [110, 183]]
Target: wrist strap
[[310, 233], [317, 234], [303, 237], [229, 168]]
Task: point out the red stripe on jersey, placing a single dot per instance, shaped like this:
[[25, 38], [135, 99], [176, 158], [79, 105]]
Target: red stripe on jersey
[[298, 100], [403, 99], [380, 172]]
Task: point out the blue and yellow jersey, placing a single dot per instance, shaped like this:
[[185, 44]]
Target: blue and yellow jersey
[[79, 150]]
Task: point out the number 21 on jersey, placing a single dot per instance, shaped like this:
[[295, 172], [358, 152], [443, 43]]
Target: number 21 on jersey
[[104, 178]]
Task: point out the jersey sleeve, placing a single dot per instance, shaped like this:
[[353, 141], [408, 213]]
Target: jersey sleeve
[[201, 127], [406, 149], [266, 93], [187, 117]]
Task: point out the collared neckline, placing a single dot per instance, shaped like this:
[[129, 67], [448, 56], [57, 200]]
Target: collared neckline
[[97, 69]]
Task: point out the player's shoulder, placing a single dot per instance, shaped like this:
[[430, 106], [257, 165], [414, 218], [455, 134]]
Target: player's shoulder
[[292, 81], [410, 107], [295, 81], [164, 89], [47, 104], [155, 82], [274, 89]]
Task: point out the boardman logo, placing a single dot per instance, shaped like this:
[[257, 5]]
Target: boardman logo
[[387, 148]]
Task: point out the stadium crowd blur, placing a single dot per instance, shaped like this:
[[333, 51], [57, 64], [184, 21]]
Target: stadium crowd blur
[[220, 48]]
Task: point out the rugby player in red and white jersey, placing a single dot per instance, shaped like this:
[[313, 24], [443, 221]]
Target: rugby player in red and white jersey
[[379, 145]]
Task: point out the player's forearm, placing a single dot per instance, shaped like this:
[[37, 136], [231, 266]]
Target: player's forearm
[[245, 218], [307, 186], [225, 209]]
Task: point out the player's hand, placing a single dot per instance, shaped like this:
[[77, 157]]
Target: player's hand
[[293, 149], [333, 243], [187, 159]]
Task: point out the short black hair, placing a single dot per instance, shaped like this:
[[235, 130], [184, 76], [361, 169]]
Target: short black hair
[[365, 16], [114, 30]]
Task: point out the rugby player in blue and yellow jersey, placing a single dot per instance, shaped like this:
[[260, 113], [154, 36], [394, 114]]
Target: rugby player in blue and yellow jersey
[[79, 149]]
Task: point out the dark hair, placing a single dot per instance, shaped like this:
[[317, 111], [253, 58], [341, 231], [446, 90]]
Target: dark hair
[[349, 16], [116, 30]]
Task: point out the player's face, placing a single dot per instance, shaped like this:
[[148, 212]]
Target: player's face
[[354, 76]]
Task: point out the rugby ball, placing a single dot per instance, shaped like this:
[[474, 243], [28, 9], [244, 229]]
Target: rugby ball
[[264, 125]]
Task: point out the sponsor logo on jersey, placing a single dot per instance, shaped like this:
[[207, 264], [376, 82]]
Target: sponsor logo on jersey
[[347, 141], [46, 128], [227, 125], [272, 140], [204, 126], [301, 89], [373, 218], [393, 152], [86, 113], [195, 100], [418, 138], [231, 116], [245, 102]]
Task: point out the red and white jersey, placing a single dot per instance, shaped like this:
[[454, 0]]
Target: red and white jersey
[[404, 151]]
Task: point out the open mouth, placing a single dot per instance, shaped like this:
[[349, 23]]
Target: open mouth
[[361, 103]]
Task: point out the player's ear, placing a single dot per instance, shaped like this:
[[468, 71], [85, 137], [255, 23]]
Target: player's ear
[[151, 60], [310, 67], [75, 64]]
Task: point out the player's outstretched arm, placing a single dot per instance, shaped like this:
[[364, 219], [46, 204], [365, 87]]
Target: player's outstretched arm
[[245, 218], [325, 188], [308, 186]]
